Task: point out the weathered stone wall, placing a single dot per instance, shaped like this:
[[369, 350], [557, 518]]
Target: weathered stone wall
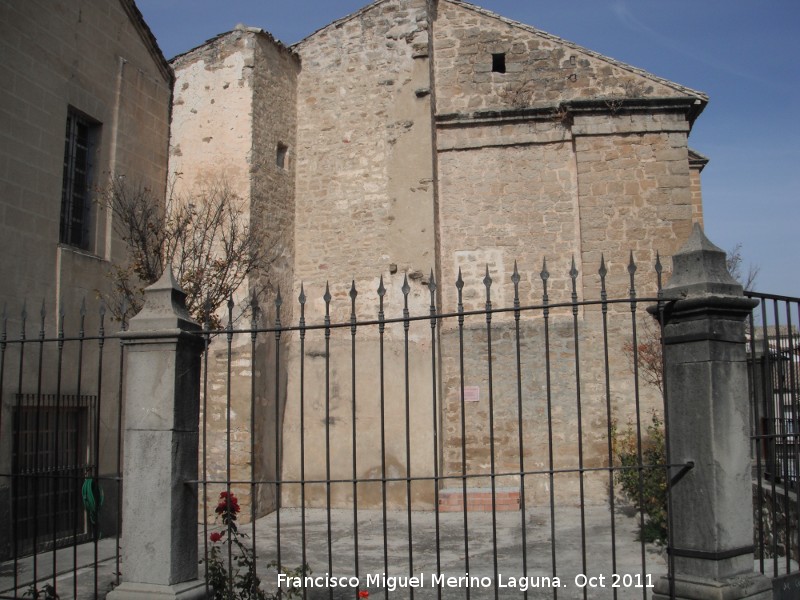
[[272, 216], [210, 146], [411, 155], [524, 177], [364, 208], [234, 113], [633, 189], [364, 167], [540, 69]]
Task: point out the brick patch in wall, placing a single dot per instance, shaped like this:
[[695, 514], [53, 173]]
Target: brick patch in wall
[[478, 500]]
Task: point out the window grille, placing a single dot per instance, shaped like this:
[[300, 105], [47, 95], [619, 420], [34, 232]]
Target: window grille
[[75, 197]]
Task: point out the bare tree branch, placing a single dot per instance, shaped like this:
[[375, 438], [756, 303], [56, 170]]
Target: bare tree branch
[[205, 236]]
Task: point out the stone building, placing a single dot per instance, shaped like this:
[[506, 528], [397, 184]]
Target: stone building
[[416, 137], [85, 98]]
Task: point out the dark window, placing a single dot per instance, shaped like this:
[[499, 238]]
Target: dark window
[[51, 449], [280, 157], [499, 63], [79, 144]]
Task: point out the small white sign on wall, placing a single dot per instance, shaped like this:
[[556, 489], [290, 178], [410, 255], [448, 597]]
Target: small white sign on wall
[[472, 393]]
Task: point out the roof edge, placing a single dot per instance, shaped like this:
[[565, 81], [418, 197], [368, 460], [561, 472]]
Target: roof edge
[[239, 28], [341, 21], [144, 31], [703, 97]]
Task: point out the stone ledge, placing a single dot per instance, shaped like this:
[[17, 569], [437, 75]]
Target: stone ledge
[[189, 590], [479, 500]]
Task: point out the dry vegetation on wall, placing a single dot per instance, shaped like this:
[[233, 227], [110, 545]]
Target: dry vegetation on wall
[[205, 236]]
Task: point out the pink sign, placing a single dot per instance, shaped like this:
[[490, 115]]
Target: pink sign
[[472, 393]]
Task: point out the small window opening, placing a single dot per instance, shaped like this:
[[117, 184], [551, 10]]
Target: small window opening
[[499, 63], [280, 156]]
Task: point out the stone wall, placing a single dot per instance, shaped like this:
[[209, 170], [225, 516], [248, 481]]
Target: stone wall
[[95, 58], [553, 157], [437, 138], [234, 126], [364, 209], [540, 70]]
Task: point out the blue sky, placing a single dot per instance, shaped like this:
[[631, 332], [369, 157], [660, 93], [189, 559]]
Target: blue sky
[[742, 53]]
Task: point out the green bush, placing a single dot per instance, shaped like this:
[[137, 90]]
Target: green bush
[[644, 484]]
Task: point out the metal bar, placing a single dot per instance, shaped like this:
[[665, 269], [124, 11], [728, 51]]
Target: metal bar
[[57, 454], [792, 441], [487, 282], [776, 424], [784, 433], [302, 301], [353, 329], [382, 332], [435, 414], [766, 390], [603, 272], [37, 450], [794, 344], [120, 408], [204, 433], [97, 416], [254, 308], [515, 279], [757, 441], [77, 456], [545, 276], [406, 324], [637, 400], [228, 384], [414, 318], [278, 440], [15, 509], [499, 474], [461, 313], [573, 274], [327, 299]]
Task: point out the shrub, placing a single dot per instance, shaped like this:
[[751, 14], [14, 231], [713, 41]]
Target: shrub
[[645, 484], [242, 583]]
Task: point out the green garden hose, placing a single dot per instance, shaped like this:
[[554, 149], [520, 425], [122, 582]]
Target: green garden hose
[[93, 498]]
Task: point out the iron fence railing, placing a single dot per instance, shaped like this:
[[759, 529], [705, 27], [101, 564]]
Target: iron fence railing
[[60, 470], [401, 454], [773, 358], [379, 443]]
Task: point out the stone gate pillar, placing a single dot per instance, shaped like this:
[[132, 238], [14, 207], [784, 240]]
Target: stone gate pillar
[[708, 408], [162, 400]]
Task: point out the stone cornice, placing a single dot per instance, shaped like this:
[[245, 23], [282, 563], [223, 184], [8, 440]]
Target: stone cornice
[[564, 111]]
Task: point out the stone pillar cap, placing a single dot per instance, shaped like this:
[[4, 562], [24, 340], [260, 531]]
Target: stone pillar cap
[[700, 269], [164, 307]]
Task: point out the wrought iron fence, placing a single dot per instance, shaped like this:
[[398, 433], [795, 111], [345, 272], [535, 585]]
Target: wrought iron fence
[[378, 443], [774, 357], [60, 475], [475, 452]]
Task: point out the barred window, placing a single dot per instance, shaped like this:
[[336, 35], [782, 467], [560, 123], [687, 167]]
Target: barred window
[[81, 136]]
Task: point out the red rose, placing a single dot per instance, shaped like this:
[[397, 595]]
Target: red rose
[[216, 536], [363, 594], [227, 503]]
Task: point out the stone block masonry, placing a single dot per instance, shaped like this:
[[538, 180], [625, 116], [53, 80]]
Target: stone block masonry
[[437, 138]]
